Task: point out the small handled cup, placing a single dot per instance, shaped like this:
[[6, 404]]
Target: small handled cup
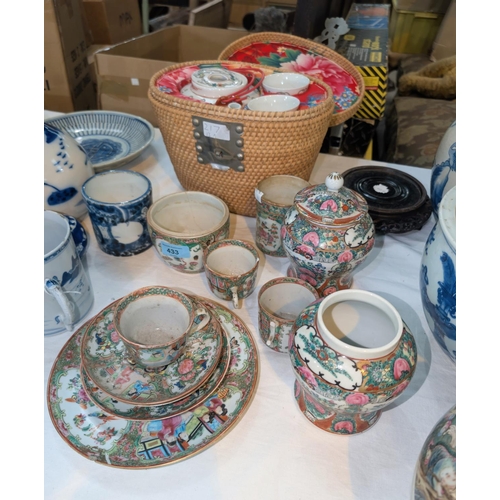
[[281, 300], [154, 323], [231, 269], [68, 293]]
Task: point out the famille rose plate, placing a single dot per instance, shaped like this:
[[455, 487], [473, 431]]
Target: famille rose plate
[[138, 412], [296, 59], [108, 366], [177, 82], [118, 442]]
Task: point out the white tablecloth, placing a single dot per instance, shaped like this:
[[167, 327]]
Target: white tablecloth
[[274, 451]]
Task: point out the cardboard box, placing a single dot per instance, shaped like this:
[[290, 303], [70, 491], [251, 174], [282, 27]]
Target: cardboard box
[[67, 80], [113, 21], [367, 50], [445, 43], [124, 70]]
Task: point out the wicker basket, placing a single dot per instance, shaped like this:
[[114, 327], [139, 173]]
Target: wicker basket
[[272, 143], [337, 117]]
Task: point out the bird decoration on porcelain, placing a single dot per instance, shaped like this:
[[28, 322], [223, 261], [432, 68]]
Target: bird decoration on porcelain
[[327, 234]]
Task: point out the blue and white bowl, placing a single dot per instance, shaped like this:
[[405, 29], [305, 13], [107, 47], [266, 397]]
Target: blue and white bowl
[[110, 139]]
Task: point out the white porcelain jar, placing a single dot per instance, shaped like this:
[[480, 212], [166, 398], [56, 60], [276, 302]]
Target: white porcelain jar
[[438, 276], [66, 167]]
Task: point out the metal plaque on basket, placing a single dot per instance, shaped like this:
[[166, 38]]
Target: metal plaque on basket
[[219, 144]]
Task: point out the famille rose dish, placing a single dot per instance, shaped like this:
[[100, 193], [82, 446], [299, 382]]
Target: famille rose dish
[[296, 59], [107, 364], [117, 442], [177, 82], [138, 412]]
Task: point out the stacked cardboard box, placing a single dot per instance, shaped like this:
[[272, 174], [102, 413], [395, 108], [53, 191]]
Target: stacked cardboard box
[[67, 79]]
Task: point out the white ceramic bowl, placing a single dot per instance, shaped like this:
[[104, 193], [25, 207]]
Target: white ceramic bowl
[[277, 102], [288, 83], [181, 225]]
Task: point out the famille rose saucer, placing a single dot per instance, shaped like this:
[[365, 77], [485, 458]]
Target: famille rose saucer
[[138, 412], [130, 444], [108, 366]]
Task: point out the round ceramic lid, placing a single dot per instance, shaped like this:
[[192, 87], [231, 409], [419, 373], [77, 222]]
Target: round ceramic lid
[[331, 203]]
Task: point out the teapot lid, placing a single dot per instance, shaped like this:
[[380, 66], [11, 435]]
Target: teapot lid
[[331, 203]]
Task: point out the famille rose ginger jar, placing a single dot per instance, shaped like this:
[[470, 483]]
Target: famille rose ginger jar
[[352, 355], [435, 474], [327, 233]]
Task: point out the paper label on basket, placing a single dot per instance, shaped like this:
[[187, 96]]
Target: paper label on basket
[[216, 131], [179, 251]]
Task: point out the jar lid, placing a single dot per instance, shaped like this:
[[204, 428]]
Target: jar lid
[[331, 203]]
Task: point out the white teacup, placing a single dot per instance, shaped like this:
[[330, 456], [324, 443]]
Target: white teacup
[[276, 102], [154, 323], [68, 292], [286, 83]]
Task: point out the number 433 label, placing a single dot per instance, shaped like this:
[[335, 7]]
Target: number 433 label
[[179, 251]]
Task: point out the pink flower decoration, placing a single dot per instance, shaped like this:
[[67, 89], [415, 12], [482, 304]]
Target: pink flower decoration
[[306, 249], [400, 388], [283, 231], [312, 237], [322, 68], [307, 374], [401, 367], [370, 243], [114, 336], [345, 256], [304, 270], [309, 279], [185, 366], [344, 426], [329, 205], [357, 399]]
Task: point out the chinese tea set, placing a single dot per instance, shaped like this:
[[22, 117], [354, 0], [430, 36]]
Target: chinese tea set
[[159, 375]]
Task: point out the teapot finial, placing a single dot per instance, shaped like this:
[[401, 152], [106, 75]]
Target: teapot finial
[[334, 181]]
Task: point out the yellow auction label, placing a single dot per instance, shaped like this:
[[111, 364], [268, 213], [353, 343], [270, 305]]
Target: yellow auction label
[[376, 57]]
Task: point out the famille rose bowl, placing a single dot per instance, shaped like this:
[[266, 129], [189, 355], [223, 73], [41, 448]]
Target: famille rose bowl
[[182, 225], [352, 355]]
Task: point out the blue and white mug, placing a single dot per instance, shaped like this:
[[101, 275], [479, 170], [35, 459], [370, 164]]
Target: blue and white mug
[[118, 202], [68, 293]]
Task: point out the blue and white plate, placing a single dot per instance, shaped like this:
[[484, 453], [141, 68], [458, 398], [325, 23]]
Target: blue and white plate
[[110, 139]]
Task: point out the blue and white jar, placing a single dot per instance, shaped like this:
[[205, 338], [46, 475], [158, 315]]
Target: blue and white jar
[[438, 276], [66, 168], [443, 176]]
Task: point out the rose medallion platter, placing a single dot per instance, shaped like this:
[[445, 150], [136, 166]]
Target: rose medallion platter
[[138, 412], [107, 365], [118, 442]]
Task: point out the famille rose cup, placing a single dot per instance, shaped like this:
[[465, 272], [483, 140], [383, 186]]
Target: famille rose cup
[[274, 197], [281, 300], [154, 323], [231, 269], [118, 201], [352, 355]]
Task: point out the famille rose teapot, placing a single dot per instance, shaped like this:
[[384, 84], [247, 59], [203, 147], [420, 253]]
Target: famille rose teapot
[[327, 233]]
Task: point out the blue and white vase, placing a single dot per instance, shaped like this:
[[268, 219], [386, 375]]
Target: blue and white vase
[[66, 168], [443, 176], [438, 276]]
